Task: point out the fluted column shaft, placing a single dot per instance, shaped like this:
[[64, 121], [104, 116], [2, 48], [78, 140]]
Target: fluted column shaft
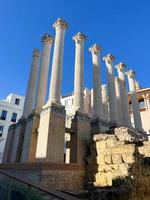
[[29, 99], [118, 97], [124, 95], [105, 102], [111, 88], [47, 41], [56, 75], [78, 104], [135, 104], [97, 85]]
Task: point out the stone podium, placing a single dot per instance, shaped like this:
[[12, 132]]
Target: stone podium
[[79, 138], [30, 138], [50, 145], [18, 141], [9, 142]]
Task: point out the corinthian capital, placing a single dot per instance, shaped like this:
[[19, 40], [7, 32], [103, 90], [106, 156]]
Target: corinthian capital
[[109, 58], [79, 37], [47, 39], [36, 52], [130, 73], [60, 23], [95, 49], [121, 66]]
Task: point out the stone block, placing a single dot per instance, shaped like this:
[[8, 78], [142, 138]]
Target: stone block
[[109, 178], [102, 145], [127, 135], [123, 169], [114, 166], [128, 158], [100, 159], [121, 149], [108, 159], [117, 158], [104, 168], [101, 179]]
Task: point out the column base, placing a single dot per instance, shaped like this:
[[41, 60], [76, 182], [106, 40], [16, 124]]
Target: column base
[[30, 137], [99, 125], [80, 138], [50, 145]]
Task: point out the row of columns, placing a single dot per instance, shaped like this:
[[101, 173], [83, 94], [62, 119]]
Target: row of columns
[[115, 86], [51, 136]]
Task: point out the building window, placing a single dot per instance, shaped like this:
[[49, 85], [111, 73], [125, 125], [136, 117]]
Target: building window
[[3, 115], [1, 130], [14, 117], [130, 105], [17, 101], [141, 103]]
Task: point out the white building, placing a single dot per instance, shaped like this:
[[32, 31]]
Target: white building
[[10, 111], [143, 96]]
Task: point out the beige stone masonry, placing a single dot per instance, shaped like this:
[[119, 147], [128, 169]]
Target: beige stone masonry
[[123, 160]]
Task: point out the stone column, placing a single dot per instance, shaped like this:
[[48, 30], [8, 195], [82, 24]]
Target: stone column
[[111, 88], [124, 95], [47, 41], [97, 88], [78, 104], [105, 102], [118, 97], [52, 118], [56, 75], [28, 105], [135, 105], [146, 101]]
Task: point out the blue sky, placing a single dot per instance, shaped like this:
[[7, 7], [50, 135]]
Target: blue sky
[[120, 27]]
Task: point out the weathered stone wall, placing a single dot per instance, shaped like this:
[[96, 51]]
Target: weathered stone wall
[[121, 164], [53, 176]]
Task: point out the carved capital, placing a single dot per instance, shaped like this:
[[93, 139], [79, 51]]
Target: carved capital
[[109, 58], [47, 39], [61, 24], [95, 48], [79, 37], [120, 66], [36, 52], [130, 73]]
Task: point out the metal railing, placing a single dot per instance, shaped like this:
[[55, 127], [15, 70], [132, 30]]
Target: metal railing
[[16, 188]]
